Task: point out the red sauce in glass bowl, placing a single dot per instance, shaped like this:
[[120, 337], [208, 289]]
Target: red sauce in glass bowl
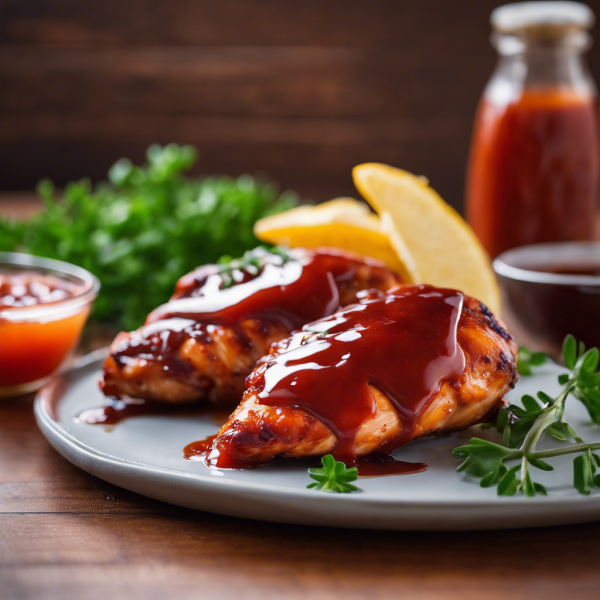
[[29, 289], [41, 318]]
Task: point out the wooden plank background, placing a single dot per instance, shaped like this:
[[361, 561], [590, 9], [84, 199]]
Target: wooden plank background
[[299, 89]]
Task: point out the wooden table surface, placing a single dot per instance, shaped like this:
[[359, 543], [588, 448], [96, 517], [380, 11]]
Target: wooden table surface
[[67, 535]]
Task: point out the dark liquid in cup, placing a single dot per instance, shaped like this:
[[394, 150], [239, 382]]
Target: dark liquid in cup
[[589, 270], [542, 314]]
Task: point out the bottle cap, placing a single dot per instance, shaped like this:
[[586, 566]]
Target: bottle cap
[[542, 19]]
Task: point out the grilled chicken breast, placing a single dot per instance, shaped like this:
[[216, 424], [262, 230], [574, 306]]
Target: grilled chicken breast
[[261, 429], [220, 321]]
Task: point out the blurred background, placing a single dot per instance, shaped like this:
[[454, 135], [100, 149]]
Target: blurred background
[[302, 91]]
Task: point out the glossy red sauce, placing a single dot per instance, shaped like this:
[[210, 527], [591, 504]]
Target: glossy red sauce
[[120, 409], [293, 292], [199, 450], [404, 343], [290, 292], [533, 173], [33, 348], [376, 465]]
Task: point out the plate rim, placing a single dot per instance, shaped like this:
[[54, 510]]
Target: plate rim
[[85, 456]]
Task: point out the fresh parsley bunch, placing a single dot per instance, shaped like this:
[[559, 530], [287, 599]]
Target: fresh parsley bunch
[[522, 428], [144, 228]]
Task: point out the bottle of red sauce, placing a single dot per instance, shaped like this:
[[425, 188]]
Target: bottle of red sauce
[[534, 164]]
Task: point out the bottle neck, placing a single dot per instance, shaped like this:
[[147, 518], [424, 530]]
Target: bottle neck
[[557, 64]]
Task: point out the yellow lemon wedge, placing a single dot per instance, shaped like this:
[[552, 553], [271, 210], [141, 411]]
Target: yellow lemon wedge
[[444, 248], [341, 223]]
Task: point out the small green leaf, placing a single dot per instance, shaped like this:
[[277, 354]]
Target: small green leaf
[[516, 421], [583, 480], [527, 484], [590, 360], [527, 359], [546, 400], [530, 404], [570, 352], [590, 398], [509, 484], [482, 457], [493, 478], [563, 432], [333, 477], [540, 464]]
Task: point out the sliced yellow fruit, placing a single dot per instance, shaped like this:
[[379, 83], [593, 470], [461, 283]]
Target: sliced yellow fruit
[[444, 248], [341, 223]]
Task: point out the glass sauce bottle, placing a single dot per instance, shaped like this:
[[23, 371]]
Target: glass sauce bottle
[[533, 171]]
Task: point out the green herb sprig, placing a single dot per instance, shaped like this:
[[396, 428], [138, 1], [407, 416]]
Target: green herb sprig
[[528, 359], [333, 477], [251, 262], [145, 227], [522, 428]]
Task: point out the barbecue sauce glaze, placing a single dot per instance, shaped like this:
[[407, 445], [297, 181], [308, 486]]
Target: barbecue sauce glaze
[[289, 291], [403, 342]]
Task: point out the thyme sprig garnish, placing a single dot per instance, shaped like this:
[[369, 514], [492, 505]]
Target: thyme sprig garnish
[[252, 262], [333, 477], [522, 428]]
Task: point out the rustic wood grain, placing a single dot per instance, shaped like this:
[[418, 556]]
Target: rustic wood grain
[[67, 535], [300, 90], [229, 22]]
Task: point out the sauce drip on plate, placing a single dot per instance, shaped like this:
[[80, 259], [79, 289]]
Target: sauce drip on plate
[[383, 465], [120, 409], [404, 343], [376, 465], [200, 449]]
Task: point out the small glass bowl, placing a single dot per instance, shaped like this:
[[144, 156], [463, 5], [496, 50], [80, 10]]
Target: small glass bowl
[[36, 340], [540, 304]]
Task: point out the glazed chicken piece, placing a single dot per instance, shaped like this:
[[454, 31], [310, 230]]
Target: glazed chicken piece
[[412, 362], [207, 339]]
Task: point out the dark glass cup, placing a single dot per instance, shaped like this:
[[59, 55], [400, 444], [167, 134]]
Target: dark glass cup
[[549, 291]]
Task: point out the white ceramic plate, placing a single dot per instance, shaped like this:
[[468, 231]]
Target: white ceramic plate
[[144, 455]]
